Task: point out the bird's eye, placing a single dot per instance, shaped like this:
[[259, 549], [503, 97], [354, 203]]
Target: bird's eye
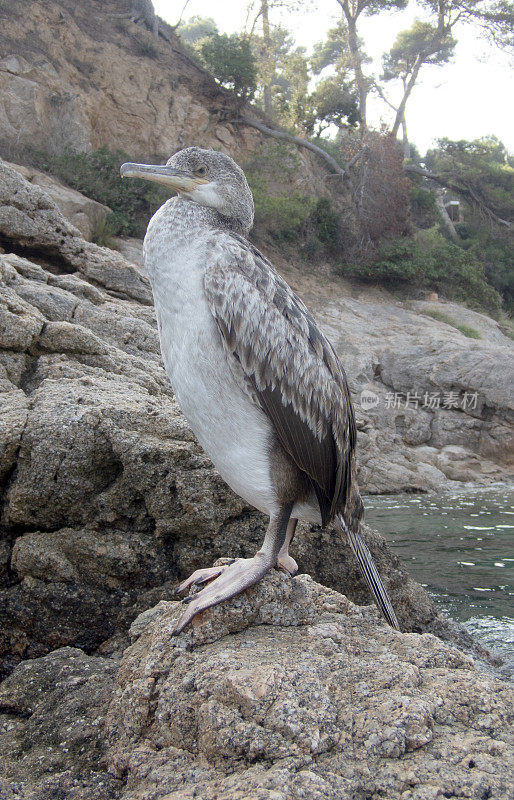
[[200, 171]]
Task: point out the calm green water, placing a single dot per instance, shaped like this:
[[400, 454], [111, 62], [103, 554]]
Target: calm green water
[[461, 547]]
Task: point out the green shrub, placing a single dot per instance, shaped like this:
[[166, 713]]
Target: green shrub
[[423, 207], [307, 220], [495, 251], [104, 232], [282, 215], [326, 224], [468, 331], [431, 261], [230, 60], [422, 199], [145, 49], [97, 175]]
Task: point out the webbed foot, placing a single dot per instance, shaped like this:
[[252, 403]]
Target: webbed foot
[[227, 581], [287, 564], [200, 576]]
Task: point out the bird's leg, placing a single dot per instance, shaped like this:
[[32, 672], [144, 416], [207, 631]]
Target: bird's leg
[[240, 574], [286, 562]]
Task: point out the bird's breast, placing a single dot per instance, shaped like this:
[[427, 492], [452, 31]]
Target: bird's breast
[[233, 431]]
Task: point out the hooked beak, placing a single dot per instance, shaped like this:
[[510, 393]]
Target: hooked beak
[[177, 179]]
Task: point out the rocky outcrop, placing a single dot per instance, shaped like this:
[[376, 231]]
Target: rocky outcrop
[[76, 76], [84, 214], [288, 691], [432, 404]]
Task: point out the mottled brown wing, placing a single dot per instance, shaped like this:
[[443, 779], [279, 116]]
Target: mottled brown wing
[[292, 368]]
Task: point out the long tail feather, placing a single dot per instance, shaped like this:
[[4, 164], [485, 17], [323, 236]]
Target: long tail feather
[[371, 574]]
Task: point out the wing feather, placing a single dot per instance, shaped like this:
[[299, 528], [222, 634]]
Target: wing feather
[[288, 365]]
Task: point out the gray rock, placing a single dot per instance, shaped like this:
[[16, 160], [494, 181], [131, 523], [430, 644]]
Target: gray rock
[[35, 222], [288, 691], [82, 212], [51, 721], [291, 691]]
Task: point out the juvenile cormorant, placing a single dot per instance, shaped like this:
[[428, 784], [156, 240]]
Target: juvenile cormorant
[[259, 384]]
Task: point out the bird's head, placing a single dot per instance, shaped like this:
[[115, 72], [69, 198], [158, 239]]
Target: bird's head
[[206, 177]]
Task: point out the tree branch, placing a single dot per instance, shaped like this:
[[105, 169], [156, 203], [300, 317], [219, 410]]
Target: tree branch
[[466, 191], [378, 89], [276, 134]]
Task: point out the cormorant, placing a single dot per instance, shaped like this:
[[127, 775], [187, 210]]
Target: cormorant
[[260, 385]]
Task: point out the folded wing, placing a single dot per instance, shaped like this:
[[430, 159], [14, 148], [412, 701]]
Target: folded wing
[[288, 365]]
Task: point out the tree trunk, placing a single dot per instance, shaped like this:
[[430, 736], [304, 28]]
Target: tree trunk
[[406, 143], [450, 227], [409, 86], [266, 57], [356, 59]]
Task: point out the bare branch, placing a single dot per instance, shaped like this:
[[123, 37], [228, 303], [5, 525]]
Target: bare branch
[[276, 134], [383, 97], [174, 27], [465, 190]]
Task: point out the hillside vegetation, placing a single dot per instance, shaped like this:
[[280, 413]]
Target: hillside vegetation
[[405, 235], [364, 203]]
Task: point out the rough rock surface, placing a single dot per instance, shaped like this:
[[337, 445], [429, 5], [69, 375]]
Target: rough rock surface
[[76, 76], [287, 692], [106, 498], [83, 213]]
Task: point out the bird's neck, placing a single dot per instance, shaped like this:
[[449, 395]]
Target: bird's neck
[[178, 239], [177, 249], [185, 216]]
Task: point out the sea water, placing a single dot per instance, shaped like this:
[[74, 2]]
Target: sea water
[[460, 546]]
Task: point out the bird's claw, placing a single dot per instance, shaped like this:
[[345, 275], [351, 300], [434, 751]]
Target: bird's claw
[[231, 579], [200, 576], [286, 563]]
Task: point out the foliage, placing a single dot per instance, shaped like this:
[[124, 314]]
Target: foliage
[[332, 51], [309, 221], [496, 254], [495, 18], [422, 41], [196, 29], [467, 330], [230, 60], [423, 208], [483, 172], [290, 101], [480, 166], [434, 263], [97, 175], [331, 103], [104, 232], [281, 214], [326, 223]]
